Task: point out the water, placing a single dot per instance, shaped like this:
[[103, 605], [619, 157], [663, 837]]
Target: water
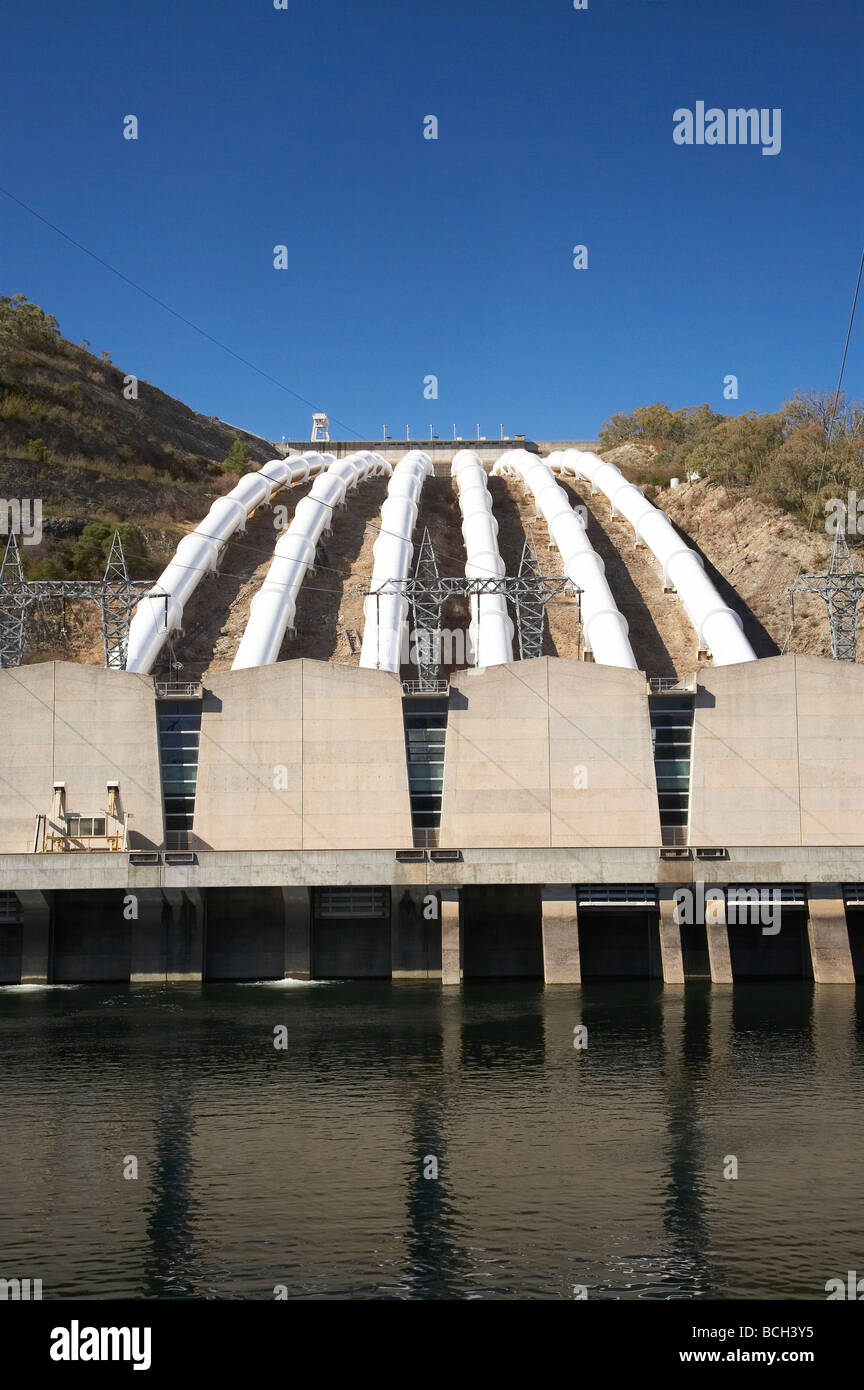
[[304, 1167]]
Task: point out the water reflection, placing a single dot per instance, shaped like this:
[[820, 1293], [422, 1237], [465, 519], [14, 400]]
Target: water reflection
[[556, 1168]]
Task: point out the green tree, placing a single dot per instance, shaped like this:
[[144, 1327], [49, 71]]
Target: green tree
[[38, 450], [25, 324], [94, 544], [238, 457]]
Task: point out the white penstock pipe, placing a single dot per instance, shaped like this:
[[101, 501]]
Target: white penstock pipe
[[491, 628], [160, 611], [385, 617], [605, 626], [719, 629], [273, 607]]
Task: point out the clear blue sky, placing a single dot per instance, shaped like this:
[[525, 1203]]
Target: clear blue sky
[[410, 257]]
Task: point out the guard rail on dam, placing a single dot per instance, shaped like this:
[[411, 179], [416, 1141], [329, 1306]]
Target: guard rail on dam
[[553, 817]]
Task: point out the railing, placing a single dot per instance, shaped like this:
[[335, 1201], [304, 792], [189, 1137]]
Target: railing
[[661, 685], [56, 841], [61, 844], [177, 690], [425, 687]]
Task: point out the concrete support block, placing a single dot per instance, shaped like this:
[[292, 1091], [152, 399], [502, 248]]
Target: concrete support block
[[717, 933], [451, 938], [168, 937], [297, 904], [561, 964], [829, 935], [35, 937], [670, 939]]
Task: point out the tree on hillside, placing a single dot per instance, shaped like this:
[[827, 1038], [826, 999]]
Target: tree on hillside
[[818, 407], [93, 545], [23, 324], [238, 457]]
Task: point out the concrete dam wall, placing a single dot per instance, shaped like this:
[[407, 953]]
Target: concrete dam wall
[[551, 818]]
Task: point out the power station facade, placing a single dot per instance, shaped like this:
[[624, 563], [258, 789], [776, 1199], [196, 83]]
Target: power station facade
[[566, 819]]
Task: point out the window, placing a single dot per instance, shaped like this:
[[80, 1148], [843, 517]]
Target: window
[[179, 737], [79, 827], [671, 736], [425, 731]]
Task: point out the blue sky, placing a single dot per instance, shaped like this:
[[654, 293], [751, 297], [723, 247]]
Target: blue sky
[[410, 257]]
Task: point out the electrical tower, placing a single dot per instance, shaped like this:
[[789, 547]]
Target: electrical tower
[[530, 606], [841, 588], [13, 606], [115, 593], [427, 615]]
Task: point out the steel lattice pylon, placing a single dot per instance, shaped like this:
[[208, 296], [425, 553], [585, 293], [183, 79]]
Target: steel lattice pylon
[[530, 608], [116, 606], [115, 593], [427, 616], [521, 589], [13, 607], [841, 588]]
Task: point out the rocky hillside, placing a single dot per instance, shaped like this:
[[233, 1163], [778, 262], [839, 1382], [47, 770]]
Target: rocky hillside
[[96, 446]]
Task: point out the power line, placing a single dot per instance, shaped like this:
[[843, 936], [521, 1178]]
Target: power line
[[167, 307], [829, 432]]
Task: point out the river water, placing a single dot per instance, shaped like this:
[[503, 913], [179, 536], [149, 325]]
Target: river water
[[414, 1142]]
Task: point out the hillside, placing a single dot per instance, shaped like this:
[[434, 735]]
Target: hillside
[[69, 436]]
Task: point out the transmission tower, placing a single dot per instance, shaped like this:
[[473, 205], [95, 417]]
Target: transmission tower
[[115, 593], [427, 615], [841, 588], [530, 607], [116, 602], [13, 610]]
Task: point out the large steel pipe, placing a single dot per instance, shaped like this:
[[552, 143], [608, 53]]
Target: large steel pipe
[[604, 625], [719, 628], [491, 629], [160, 611], [385, 617], [273, 608]]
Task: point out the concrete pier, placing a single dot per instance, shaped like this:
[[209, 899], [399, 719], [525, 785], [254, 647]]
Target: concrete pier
[[670, 939], [717, 932], [829, 935], [451, 937], [560, 925]]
